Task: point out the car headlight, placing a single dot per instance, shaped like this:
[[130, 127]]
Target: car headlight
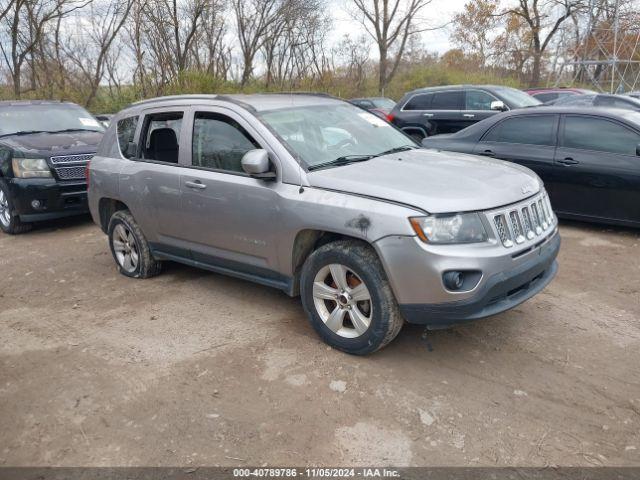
[[443, 229], [31, 168]]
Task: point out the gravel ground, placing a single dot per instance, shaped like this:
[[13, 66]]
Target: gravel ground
[[194, 368]]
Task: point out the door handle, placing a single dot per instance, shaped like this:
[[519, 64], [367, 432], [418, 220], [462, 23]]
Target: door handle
[[198, 185], [488, 153], [568, 161], [428, 115], [469, 115]]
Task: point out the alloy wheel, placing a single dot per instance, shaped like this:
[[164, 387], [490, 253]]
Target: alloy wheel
[[125, 248], [5, 215], [342, 300]]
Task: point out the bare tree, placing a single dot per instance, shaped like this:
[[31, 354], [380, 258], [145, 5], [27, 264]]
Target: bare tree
[[543, 19], [390, 23]]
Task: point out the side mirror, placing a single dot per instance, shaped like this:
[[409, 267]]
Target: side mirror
[[498, 105], [256, 163], [638, 150]]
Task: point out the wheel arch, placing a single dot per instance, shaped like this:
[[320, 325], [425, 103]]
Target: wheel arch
[[106, 208]]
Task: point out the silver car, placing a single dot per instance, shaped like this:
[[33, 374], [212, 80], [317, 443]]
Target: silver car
[[316, 197]]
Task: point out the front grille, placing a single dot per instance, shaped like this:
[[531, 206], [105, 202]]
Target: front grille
[[524, 221], [63, 159], [70, 173], [71, 167]]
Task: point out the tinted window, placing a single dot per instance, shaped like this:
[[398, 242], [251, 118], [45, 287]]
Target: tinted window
[[588, 133], [219, 142], [529, 130], [478, 100], [546, 97], [614, 102], [421, 101], [161, 137], [126, 129], [447, 101]]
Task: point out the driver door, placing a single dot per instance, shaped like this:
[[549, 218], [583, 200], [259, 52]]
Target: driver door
[[230, 218]]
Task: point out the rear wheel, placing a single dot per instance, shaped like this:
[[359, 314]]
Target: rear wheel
[[9, 222], [130, 248], [348, 299]]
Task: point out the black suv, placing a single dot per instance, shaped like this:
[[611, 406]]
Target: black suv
[[431, 111], [44, 149]]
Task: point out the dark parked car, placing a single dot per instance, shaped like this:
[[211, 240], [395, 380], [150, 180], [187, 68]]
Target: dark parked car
[[635, 94], [552, 94], [589, 160], [600, 100], [380, 106], [431, 111], [44, 149]]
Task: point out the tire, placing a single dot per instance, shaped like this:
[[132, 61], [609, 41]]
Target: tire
[[130, 248], [366, 325], [9, 222]]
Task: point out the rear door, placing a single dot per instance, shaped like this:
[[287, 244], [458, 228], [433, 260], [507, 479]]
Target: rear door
[[150, 183], [528, 140], [447, 111], [477, 106], [415, 116], [598, 169]]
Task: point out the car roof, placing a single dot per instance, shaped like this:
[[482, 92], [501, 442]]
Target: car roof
[[453, 87], [256, 102], [18, 103], [629, 115]]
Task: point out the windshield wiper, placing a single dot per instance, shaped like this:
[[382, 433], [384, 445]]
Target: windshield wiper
[[76, 130], [22, 132], [403, 148], [344, 160]]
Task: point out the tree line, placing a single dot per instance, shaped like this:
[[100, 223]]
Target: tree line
[[103, 53]]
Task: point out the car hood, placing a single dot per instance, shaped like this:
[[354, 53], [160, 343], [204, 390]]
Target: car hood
[[436, 182], [47, 144]]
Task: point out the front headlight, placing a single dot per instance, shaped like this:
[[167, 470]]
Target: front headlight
[[443, 229], [31, 168]]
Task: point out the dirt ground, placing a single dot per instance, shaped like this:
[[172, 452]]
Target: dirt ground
[[194, 368]]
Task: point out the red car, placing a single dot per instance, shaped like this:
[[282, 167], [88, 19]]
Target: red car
[[551, 94]]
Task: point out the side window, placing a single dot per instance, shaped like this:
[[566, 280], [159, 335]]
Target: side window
[[447, 101], [219, 142], [528, 130], [422, 101], [126, 130], [478, 100], [589, 133], [161, 137]]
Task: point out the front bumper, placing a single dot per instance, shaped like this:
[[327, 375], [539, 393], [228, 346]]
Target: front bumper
[[506, 281], [57, 199]]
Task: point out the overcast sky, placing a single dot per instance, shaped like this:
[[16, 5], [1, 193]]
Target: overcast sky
[[438, 12]]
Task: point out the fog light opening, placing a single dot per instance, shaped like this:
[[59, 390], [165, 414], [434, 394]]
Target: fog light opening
[[36, 204], [453, 280]]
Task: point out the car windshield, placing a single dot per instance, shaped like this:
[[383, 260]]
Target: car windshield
[[45, 118], [385, 103], [517, 98], [325, 133]]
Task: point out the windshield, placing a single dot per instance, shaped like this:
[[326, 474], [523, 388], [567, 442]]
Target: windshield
[[516, 98], [385, 103], [324, 133], [45, 117]]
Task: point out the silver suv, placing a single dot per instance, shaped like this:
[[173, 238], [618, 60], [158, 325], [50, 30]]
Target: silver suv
[[316, 197]]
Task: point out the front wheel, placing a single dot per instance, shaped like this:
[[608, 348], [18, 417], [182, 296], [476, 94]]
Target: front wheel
[[348, 299], [9, 222]]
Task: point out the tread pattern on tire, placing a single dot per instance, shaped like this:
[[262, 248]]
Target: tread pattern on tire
[[148, 266], [364, 253]]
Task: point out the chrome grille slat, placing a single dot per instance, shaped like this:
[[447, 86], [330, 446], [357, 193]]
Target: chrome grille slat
[[79, 158], [524, 222]]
